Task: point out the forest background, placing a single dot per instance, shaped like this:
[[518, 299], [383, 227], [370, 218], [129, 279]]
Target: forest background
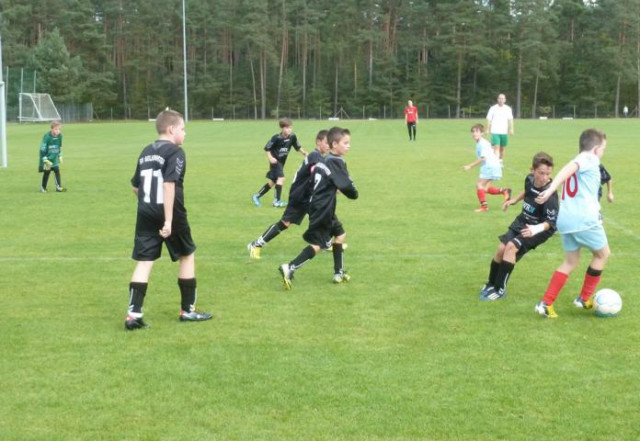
[[260, 59]]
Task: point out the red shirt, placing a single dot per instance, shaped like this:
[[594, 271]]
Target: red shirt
[[411, 114]]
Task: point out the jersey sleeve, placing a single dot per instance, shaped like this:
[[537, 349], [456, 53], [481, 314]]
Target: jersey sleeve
[[295, 143], [174, 165], [604, 175], [269, 145], [135, 180], [341, 178], [550, 210]]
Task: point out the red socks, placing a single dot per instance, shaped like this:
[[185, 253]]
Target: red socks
[[481, 197], [555, 285], [494, 190], [589, 285]]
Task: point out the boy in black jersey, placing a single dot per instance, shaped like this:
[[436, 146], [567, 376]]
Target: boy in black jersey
[[531, 228], [162, 218], [277, 150], [329, 176], [299, 195]]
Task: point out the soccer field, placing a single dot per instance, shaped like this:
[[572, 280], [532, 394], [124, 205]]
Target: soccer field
[[405, 351]]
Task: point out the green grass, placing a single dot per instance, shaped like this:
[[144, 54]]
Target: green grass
[[403, 352]]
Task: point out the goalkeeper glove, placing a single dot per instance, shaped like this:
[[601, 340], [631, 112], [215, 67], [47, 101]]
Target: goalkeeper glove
[[60, 159], [46, 164]]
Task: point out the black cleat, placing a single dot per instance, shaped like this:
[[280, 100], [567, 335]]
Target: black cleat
[[194, 316], [133, 323]]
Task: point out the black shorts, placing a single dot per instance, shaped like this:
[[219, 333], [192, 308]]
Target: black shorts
[[322, 235], [149, 246], [275, 171], [524, 244], [294, 214]]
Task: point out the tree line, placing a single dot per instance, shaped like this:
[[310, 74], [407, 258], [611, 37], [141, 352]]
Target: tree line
[[308, 58]]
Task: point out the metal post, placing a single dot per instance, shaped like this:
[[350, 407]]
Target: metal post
[[184, 59], [3, 113]]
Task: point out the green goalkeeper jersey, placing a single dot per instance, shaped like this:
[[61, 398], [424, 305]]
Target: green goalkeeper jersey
[[51, 149]]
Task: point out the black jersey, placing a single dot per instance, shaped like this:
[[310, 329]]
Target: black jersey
[[160, 162], [329, 176], [534, 213], [280, 146], [604, 178], [302, 184]]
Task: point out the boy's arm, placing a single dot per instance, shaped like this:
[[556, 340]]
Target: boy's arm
[[566, 171], [169, 189], [303, 151], [512, 201], [270, 157], [609, 191], [342, 180], [473, 164], [511, 132]]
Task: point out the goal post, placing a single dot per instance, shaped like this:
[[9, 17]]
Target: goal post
[[37, 107]]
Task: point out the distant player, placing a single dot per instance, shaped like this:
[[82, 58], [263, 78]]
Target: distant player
[[162, 218], [277, 150], [579, 222], [500, 125], [51, 157], [490, 170], [411, 119], [299, 195], [329, 177], [535, 224]]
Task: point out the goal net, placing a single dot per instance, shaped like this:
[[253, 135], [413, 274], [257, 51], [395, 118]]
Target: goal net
[[37, 107]]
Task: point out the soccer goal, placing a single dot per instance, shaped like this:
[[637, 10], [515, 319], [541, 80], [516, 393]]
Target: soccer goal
[[37, 107]]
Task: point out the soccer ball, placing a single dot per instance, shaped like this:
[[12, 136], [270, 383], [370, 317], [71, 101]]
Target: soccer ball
[[607, 303]]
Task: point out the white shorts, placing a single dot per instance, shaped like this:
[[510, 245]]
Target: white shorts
[[594, 239]]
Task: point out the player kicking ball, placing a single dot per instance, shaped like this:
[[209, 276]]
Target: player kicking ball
[[535, 224]]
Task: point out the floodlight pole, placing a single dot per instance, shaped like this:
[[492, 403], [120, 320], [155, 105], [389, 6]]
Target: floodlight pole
[[3, 109], [184, 62]]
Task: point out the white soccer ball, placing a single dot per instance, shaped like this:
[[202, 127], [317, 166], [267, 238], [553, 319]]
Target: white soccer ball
[[607, 303]]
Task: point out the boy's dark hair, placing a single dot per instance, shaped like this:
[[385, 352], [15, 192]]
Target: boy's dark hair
[[591, 138], [285, 122], [477, 127], [335, 134], [322, 134], [166, 119], [541, 158]]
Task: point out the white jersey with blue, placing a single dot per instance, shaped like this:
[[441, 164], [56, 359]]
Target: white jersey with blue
[[490, 168], [579, 205]]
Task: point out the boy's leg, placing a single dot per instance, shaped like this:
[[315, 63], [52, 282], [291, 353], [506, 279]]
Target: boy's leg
[[188, 291], [287, 269], [409, 130], [137, 292], [277, 201], [560, 276], [265, 189], [270, 233], [57, 179], [593, 275], [45, 180], [339, 274], [481, 193], [414, 128]]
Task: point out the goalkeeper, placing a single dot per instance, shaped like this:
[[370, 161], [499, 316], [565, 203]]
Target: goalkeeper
[[531, 228], [51, 156]]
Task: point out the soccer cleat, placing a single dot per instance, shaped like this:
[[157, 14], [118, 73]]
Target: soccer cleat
[[61, 189], [341, 277], [254, 252], [256, 200], [287, 275], [546, 310], [43, 190], [482, 209], [491, 294], [194, 316], [506, 193], [133, 323], [579, 303], [485, 288], [279, 204]]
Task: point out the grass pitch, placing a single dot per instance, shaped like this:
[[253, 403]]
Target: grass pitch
[[403, 352]]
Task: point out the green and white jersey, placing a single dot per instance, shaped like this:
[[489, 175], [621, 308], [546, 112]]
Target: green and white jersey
[[51, 149]]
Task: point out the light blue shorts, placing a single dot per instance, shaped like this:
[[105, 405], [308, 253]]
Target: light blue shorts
[[594, 239], [493, 173]]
